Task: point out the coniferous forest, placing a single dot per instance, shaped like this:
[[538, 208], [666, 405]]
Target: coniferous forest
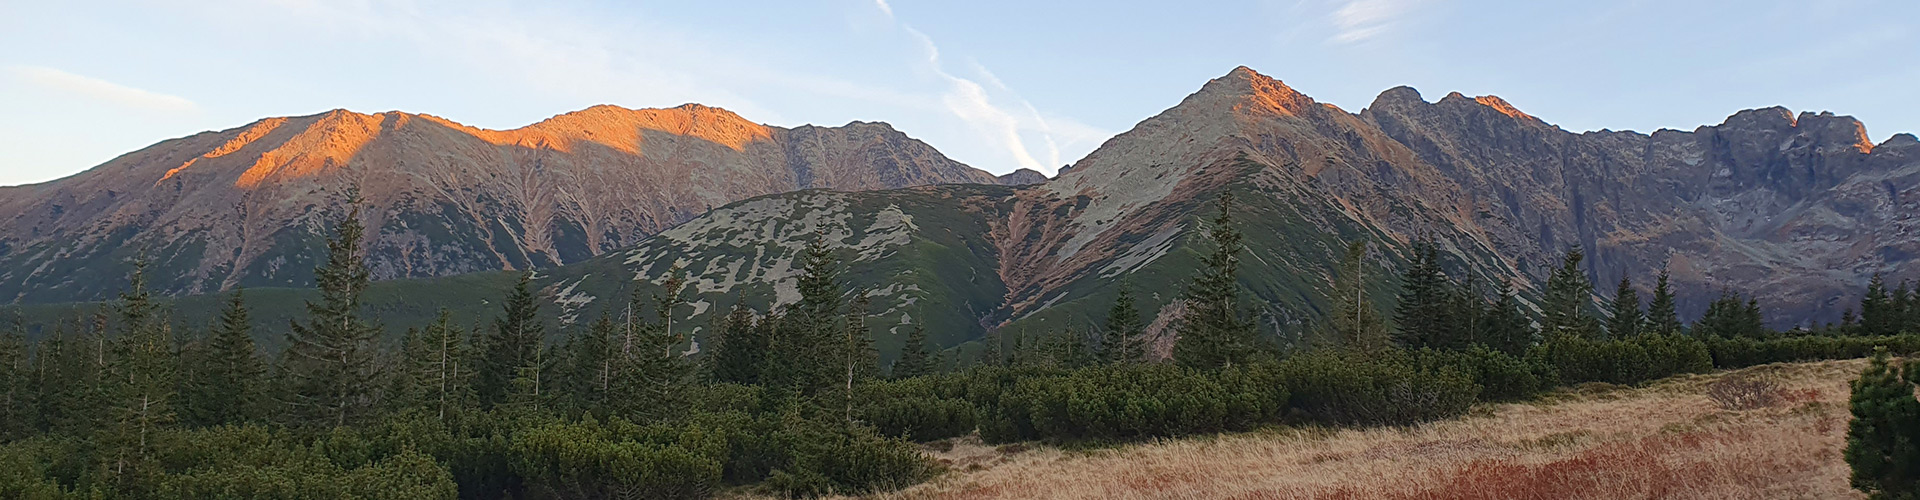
[[794, 401]]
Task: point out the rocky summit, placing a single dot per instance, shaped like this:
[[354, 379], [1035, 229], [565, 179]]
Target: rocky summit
[[246, 207]]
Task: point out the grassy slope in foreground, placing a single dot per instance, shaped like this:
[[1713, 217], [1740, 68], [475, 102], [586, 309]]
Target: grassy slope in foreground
[[1666, 440]]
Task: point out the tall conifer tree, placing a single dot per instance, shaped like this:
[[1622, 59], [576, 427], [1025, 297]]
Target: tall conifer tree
[[590, 364], [1124, 341], [140, 386], [914, 359], [1904, 306], [330, 361], [1732, 316], [228, 383], [1877, 313], [1509, 329], [16, 385], [1213, 334], [1356, 325], [1624, 318], [740, 350], [517, 336], [808, 346], [1569, 294], [1421, 315], [437, 368], [1662, 315]]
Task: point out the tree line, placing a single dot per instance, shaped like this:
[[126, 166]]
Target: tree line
[[794, 401]]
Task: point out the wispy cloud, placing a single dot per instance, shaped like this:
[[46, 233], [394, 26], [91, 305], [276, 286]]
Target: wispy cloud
[[997, 113], [1359, 20], [100, 90], [968, 101]]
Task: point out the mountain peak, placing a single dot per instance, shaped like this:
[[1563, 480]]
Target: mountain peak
[[1502, 106], [1022, 177], [1492, 102], [1400, 95], [1254, 91]]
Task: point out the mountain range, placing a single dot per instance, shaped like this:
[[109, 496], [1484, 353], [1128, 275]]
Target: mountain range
[[1796, 209], [245, 207]]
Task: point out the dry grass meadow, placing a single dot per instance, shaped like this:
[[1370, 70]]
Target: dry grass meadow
[[1666, 440]]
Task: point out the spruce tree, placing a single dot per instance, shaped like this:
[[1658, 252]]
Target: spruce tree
[[740, 350], [667, 302], [990, 353], [1904, 304], [807, 347], [1883, 440], [1732, 316], [530, 392], [1213, 334], [69, 376], [1124, 341], [1569, 293], [516, 337], [1663, 316], [228, 376], [1624, 318], [590, 364], [1509, 330], [436, 369], [1877, 313], [1421, 315], [1355, 326], [914, 359], [330, 358], [16, 408], [1463, 314], [649, 379], [140, 385], [861, 357]]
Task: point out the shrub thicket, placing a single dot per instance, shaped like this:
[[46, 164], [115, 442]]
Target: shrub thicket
[[1738, 352], [1575, 360]]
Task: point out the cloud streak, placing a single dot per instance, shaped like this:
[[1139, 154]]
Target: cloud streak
[[100, 90], [1360, 20], [968, 101], [1009, 125]]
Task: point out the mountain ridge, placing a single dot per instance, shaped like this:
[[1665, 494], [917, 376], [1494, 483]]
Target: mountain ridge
[[1795, 208], [445, 198]]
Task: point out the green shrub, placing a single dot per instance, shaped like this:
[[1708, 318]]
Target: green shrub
[[1576, 360], [1883, 440], [23, 471], [852, 461], [1348, 389], [618, 460], [1132, 402], [920, 420], [1500, 376], [1741, 352]]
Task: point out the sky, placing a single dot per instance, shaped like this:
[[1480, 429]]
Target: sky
[[999, 85]]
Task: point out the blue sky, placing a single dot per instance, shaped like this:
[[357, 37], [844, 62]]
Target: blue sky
[[996, 84]]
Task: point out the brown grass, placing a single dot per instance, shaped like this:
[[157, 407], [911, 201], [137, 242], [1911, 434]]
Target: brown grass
[[1668, 440]]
